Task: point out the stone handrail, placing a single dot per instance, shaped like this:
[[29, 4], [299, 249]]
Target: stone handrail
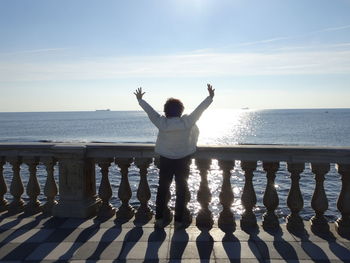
[[77, 182]]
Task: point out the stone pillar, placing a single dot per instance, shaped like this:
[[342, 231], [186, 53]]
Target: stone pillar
[[3, 187], [271, 201], [125, 211], [33, 188], [226, 217], [343, 224], [50, 188], [319, 201], [204, 218], [248, 196], [144, 212], [105, 190], [77, 183], [16, 187], [295, 200]]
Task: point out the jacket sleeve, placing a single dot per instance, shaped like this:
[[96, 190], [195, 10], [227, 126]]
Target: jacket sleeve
[[195, 115], [152, 114]]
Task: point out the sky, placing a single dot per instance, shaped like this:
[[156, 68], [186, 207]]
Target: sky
[[86, 55]]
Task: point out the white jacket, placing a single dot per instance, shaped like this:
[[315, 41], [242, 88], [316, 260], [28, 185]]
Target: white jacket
[[177, 136]]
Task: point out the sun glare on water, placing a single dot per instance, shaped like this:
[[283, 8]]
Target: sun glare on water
[[225, 127]]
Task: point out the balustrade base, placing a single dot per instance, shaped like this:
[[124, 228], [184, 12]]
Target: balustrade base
[[342, 226], [227, 221], [77, 209], [319, 224], [48, 207], [270, 221], [204, 219], [248, 221], [106, 211], [143, 214], [32, 209], [125, 212], [3, 205], [16, 206], [295, 223]]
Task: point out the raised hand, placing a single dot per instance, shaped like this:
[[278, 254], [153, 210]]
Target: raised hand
[[138, 93], [211, 90]]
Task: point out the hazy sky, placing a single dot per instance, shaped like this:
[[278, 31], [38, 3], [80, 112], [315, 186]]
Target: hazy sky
[[87, 55]]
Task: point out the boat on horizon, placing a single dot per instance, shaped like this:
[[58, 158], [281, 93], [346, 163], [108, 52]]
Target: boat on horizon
[[103, 110]]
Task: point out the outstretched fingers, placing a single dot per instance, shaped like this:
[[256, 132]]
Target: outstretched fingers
[[138, 93], [211, 90]]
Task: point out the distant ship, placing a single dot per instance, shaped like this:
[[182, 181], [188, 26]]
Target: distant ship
[[104, 110], [245, 108]]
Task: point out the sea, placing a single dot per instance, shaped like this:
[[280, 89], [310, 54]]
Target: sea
[[319, 127]]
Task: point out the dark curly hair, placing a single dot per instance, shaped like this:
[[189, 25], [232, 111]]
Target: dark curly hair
[[173, 108]]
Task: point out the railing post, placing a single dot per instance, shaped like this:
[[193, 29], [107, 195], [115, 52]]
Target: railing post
[[248, 196], [226, 217], [3, 187], [33, 188], [50, 188], [77, 183], [105, 190], [343, 224], [144, 212], [125, 211], [204, 218], [319, 200], [271, 201], [295, 200], [16, 187]]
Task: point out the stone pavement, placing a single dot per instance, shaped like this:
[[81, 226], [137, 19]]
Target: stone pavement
[[47, 239]]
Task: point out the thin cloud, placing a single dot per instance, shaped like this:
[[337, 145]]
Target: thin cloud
[[294, 37], [329, 29], [33, 51], [183, 65], [264, 41]]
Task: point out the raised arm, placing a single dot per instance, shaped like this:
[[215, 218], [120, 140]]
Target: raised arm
[[196, 114], [152, 114]]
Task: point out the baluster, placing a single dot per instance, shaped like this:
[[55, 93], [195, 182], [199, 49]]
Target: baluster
[[16, 187], [105, 190], [295, 200], [3, 187], [144, 212], [50, 188], [319, 200], [204, 218], [248, 196], [167, 212], [343, 203], [271, 201], [33, 188], [226, 217], [125, 211]]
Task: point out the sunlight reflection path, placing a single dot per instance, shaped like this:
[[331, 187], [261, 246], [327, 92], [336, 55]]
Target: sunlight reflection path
[[224, 127]]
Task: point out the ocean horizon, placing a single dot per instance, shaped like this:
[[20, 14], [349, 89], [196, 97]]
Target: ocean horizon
[[246, 108]]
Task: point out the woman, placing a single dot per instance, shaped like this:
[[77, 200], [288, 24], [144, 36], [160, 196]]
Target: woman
[[176, 142]]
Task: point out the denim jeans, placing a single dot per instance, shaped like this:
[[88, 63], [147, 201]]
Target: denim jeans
[[180, 168]]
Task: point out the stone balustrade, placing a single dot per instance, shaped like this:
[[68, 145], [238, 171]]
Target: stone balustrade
[[77, 181]]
